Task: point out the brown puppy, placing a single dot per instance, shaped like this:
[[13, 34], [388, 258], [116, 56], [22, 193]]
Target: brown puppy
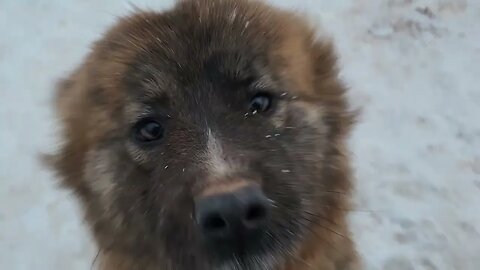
[[210, 136]]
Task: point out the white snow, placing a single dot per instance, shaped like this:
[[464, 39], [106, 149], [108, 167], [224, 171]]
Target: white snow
[[412, 66]]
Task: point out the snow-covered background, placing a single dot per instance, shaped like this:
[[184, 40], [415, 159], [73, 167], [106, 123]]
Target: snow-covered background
[[413, 67]]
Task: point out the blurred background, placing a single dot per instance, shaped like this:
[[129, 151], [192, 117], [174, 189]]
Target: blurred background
[[413, 69]]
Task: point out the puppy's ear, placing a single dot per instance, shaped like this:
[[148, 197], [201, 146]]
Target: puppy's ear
[[71, 109], [329, 87], [308, 65], [69, 97]]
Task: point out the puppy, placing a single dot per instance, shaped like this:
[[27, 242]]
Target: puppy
[[210, 136]]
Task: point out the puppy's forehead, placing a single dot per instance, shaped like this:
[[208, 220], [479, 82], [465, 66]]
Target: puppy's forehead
[[198, 54], [162, 54]]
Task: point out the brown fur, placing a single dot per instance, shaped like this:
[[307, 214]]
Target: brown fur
[[96, 104]]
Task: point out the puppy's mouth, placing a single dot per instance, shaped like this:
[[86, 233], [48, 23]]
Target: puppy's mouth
[[260, 251], [240, 245], [245, 255]]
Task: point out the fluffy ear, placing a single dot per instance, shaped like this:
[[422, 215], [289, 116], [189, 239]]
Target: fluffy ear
[[69, 97], [308, 65], [330, 89], [71, 110]]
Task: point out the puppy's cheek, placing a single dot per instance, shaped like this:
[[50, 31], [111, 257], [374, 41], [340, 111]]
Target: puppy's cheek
[[101, 177], [309, 132], [296, 114], [309, 114], [136, 154], [279, 119]]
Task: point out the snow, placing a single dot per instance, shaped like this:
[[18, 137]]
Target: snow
[[412, 66]]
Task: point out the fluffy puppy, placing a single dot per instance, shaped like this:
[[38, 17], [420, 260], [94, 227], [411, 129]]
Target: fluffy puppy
[[210, 136]]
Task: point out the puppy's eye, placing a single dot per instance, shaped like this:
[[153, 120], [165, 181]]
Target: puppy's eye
[[261, 102], [148, 130]]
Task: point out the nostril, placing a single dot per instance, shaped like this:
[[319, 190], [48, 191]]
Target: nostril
[[214, 223], [256, 213], [227, 215]]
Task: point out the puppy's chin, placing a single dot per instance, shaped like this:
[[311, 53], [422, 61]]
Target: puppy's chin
[[266, 261], [267, 256], [261, 251]]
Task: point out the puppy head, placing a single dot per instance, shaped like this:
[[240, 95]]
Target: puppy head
[[206, 137]]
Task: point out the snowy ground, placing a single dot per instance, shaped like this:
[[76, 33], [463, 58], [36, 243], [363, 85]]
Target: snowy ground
[[413, 67]]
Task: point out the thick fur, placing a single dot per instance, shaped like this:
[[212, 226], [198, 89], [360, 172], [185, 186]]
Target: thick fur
[[194, 68]]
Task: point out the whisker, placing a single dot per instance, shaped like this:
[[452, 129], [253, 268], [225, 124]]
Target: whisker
[[321, 238], [322, 217], [352, 209], [335, 192], [323, 226], [303, 262], [95, 259]]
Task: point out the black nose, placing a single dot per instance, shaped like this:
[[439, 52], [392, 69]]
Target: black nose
[[234, 214]]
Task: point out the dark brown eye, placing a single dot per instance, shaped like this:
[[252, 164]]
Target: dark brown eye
[[148, 130], [261, 102]]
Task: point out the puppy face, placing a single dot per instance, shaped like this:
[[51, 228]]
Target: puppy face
[[206, 137]]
